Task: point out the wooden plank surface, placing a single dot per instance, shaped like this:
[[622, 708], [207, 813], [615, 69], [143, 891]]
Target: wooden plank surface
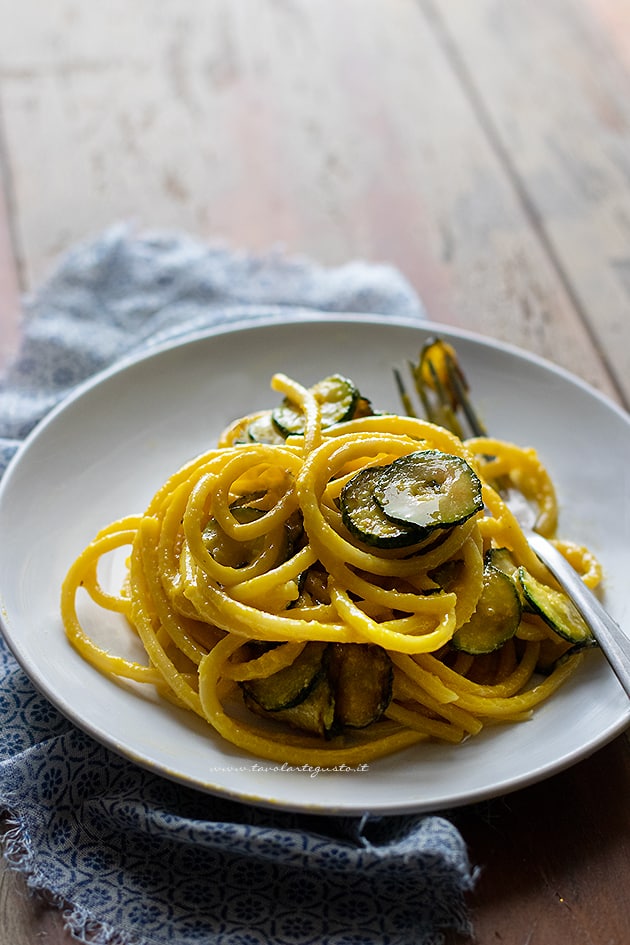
[[550, 82], [481, 147], [553, 856], [334, 129]]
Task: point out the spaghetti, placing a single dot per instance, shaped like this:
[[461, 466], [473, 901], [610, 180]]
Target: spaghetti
[[243, 578]]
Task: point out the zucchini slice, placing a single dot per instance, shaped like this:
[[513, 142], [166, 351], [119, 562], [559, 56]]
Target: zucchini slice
[[226, 550], [328, 688], [496, 618], [314, 714], [291, 685], [364, 518], [551, 652], [363, 408], [447, 574], [501, 558], [263, 430], [362, 678], [315, 585], [338, 398], [557, 610], [233, 553], [429, 490]]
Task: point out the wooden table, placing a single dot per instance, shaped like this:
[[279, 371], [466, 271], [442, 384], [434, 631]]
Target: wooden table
[[483, 147]]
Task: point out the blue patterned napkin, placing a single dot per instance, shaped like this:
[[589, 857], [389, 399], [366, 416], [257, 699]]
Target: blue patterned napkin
[[132, 858]]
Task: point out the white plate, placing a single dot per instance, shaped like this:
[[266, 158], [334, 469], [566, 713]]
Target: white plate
[[105, 451]]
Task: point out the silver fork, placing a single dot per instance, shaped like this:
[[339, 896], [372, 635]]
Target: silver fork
[[611, 639]]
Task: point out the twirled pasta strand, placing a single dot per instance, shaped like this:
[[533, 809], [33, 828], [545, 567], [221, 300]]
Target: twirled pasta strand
[[197, 598]]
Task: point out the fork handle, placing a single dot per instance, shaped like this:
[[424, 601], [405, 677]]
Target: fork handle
[[611, 638]]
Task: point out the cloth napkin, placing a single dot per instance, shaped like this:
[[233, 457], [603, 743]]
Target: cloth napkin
[[132, 858]]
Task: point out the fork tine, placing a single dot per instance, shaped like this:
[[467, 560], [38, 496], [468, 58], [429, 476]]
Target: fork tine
[[421, 391], [403, 394], [460, 387], [446, 398]]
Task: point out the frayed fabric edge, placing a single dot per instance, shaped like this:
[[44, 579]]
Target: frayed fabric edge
[[87, 930], [80, 924]]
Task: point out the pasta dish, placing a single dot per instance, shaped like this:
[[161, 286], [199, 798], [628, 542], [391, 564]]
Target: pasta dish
[[331, 584]]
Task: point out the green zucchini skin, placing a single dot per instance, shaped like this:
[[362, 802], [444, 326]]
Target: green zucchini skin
[[502, 559], [338, 398], [289, 686], [405, 502], [329, 688], [551, 654], [314, 714], [237, 554], [496, 618], [557, 610], [429, 489], [362, 675], [365, 519], [226, 550], [264, 430]]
